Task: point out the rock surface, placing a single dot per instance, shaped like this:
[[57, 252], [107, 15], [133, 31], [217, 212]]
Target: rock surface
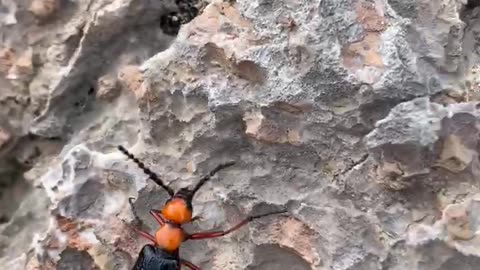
[[361, 117]]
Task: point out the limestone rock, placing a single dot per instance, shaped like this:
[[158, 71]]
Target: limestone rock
[[107, 88], [22, 68], [457, 228], [360, 117], [131, 78], [419, 137], [7, 58]]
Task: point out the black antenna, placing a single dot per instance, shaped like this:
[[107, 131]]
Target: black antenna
[[147, 171], [207, 177]]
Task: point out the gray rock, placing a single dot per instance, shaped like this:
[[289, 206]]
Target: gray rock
[[420, 137], [325, 105]]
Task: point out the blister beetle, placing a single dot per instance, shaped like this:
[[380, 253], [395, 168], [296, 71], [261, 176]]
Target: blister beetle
[[164, 253]]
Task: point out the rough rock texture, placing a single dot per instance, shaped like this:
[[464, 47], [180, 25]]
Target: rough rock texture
[[359, 116]]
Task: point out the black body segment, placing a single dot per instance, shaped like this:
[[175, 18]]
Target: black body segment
[[154, 258]]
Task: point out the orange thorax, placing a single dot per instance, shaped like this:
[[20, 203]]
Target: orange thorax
[[177, 211], [169, 237]]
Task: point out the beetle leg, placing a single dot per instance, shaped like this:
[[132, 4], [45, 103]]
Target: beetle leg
[[137, 222], [145, 235], [189, 264], [205, 235], [157, 216]]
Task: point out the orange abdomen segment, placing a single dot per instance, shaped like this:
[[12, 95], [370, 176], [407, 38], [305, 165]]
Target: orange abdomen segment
[[169, 238], [177, 211]]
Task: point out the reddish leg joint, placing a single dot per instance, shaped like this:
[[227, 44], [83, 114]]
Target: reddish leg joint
[[157, 217]]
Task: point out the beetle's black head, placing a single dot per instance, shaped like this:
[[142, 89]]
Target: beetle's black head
[[185, 194]]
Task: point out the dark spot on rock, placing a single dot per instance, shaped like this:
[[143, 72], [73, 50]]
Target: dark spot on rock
[[72, 259], [13, 188], [171, 22], [251, 71], [471, 4], [88, 202], [263, 207], [374, 111], [467, 9], [91, 91], [78, 104], [3, 219]]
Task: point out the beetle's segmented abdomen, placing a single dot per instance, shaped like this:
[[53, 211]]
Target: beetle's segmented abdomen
[[154, 258]]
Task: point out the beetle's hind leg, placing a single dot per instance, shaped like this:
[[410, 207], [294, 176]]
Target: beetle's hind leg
[[206, 235], [188, 264], [137, 222], [145, 235]]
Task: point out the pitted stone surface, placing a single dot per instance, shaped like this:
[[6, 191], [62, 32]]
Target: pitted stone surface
[[360, 117]]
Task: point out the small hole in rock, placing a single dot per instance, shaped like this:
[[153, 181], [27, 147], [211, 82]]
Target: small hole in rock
[[3, 219]]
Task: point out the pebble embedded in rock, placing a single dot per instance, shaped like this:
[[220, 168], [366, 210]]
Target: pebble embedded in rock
[[44, 8]]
